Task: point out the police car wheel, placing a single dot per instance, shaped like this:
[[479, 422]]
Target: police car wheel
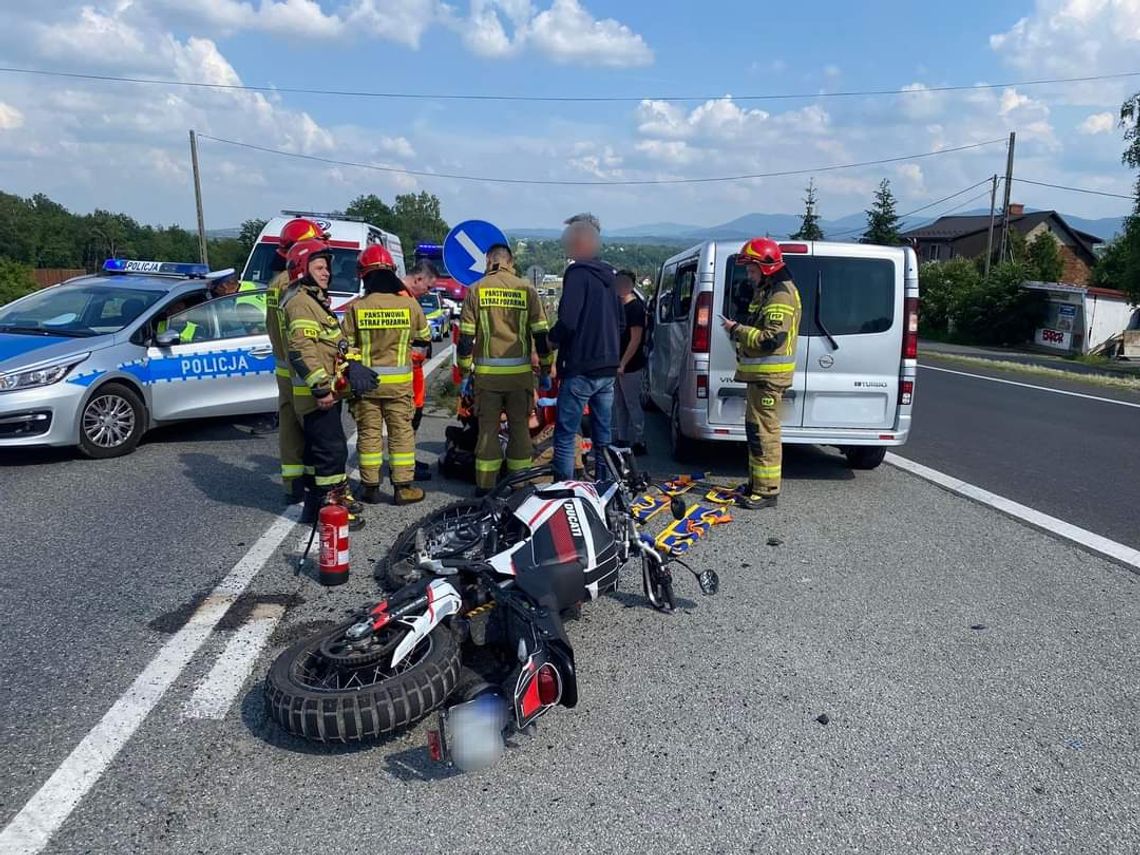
[[112, 422]]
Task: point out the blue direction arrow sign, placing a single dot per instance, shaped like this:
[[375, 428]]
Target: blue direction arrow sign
[[465, 249]]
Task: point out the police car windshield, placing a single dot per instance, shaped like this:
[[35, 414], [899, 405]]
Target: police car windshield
[[430, 302], [259, 268], [95, 308]]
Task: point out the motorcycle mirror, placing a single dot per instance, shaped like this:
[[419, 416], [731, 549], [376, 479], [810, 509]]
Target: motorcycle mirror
[[709, 582], [677, 508]]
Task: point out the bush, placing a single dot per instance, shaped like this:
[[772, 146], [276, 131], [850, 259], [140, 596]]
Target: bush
[[941, 285], [998, 310], [16, 280]]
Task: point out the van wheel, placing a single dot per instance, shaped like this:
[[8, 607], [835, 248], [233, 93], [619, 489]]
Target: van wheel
[[864, 456], [112, 422], [683, 448]]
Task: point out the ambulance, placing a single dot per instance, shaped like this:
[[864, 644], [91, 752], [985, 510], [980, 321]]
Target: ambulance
[[348, 237]]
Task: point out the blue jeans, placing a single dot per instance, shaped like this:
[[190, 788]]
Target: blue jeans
[[573, 397]]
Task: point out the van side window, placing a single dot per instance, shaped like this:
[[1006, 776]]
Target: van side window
[[665, 294], [683, 295]]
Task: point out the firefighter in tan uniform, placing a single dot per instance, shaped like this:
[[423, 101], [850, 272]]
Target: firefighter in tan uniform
[[502, 320], [324, 370], [766, 361], [387, 327], [290, 436]]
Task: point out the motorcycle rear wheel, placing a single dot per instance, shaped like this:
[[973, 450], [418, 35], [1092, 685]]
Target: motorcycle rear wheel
[[323, 701]]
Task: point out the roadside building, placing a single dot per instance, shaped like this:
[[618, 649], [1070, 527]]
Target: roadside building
[[966, 237], [1078, 318]]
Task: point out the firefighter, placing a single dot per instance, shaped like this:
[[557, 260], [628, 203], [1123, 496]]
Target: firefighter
[[322, 366], [387, 327], [290, 435], [766, 361], [502, 319]]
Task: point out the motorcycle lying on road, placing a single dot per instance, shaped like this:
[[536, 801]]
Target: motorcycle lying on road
[[493, 576]]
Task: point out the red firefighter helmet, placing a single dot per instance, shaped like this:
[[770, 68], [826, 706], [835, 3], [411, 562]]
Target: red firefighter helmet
[[374, 257], [301, 253], [299, 229], [763, 252]]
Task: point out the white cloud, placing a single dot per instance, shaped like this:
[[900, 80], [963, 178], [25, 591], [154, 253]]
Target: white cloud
[[1076, 38], [1097, 123], [10, 117], [301, 18], [401, 21], [569, 34]]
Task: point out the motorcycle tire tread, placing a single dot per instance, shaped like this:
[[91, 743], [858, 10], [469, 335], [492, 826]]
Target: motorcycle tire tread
[[362, 715], [383, 569]]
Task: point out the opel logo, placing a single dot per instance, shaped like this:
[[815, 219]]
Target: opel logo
[[826, 361]]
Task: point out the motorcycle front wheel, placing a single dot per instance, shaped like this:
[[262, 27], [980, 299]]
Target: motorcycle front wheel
[[323, 689]]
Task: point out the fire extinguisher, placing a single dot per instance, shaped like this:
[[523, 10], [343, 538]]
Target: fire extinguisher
[[333, 523]]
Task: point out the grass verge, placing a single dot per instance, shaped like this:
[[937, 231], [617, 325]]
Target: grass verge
[[1108, 381]]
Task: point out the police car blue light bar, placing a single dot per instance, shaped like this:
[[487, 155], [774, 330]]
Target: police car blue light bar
[[161, 268], [429, 249]]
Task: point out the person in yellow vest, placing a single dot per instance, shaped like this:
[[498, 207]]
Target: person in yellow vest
[[766, 361], [323, 371], [290, 435], [387, 327], [501, 321]]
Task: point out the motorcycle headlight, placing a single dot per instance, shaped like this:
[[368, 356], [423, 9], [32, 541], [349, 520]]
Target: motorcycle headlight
[[34, 377]]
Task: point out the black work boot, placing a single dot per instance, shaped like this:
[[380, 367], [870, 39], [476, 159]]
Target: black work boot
[[370, 494], [296, 492], [340, 496], [756, 501], [423, 471], [349, 501], [312, 508], [406, 494]]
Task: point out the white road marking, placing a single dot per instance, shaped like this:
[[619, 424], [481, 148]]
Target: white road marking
[[435, 361], [1031, 386], [32, 828], [215, 694], [1089, 540]]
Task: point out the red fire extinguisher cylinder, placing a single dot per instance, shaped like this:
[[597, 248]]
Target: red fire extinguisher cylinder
[[333, 524]]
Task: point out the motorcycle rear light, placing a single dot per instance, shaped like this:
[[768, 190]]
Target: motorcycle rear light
[[531, 699], [435, 746], [910, 331], [906, 392], [702, 386], [549, 685], [702, 323]]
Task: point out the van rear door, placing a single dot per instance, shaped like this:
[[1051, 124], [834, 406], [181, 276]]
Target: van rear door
[[852, 334], [732, 295]]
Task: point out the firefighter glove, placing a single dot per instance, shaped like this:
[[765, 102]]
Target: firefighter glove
[[361, 378]]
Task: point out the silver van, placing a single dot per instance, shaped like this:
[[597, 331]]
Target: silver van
[[855, 361]]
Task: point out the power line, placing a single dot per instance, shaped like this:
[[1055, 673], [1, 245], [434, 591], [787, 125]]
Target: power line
[[569, 183], [562, 99], [923, 208], [1075, 189]]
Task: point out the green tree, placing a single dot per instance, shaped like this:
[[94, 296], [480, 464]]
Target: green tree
[[999, 310], [225, 252], [250, 230], [372, 209], [419, 219], [16, 280], [883, 218], [809, 225], [1119, 267], [1044, 258], [944, 286]]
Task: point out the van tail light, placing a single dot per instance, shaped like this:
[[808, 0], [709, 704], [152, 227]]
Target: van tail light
[[794, 248], [702, 386], [702, 323], [906, 392], [910, 331]]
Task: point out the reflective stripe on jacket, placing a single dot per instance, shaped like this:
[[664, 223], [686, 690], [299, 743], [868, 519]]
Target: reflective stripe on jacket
[[502, 321], [766, 344], [383, 327]]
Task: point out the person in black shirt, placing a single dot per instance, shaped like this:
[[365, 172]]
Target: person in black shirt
[[629, 418]]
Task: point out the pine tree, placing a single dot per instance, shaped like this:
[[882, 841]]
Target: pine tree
[[809, 227], [883, 218]]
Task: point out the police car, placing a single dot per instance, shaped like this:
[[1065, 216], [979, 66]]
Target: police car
[[98, 360], [437, 315]]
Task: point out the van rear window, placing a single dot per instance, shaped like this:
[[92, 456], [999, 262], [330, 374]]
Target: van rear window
[[858, 294]]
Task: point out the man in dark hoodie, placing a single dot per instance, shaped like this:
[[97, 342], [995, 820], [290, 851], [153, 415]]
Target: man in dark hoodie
[[588, 338]]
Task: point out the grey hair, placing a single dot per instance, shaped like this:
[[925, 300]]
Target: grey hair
[[584, 226], [579, 220]]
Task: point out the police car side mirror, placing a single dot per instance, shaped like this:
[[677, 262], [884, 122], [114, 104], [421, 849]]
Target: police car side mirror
[[167, 338]]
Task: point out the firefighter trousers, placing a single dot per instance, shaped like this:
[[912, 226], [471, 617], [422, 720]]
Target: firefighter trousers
[[489, 406], [290, 435], [372, 415], [326, 450], [762, 427]]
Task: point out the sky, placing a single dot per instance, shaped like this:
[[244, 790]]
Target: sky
[[124, 147]]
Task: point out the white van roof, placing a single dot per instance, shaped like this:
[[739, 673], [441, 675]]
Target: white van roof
[[344, 232]]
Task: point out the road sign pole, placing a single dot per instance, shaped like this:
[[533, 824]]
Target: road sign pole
[[198, 198]]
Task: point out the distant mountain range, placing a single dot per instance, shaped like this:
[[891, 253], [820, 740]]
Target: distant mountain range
[[782, 225]]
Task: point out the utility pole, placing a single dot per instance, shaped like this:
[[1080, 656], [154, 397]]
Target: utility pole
[[1008, 189], [990, 239], [198, 198]]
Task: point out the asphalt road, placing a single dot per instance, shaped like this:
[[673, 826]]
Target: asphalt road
[[1071, 457], [980, 677]]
